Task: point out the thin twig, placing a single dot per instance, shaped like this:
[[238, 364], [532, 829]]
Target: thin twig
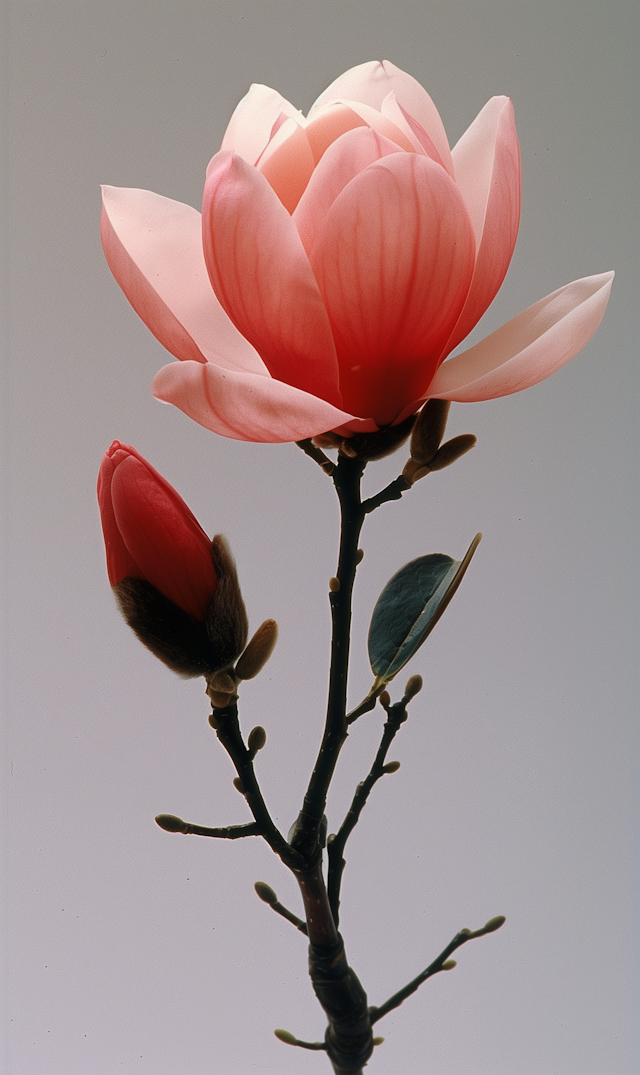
[[227, 832], [318, 456], [393, 491], [227, 728], [434, 968], [284, 912], [396, 715]]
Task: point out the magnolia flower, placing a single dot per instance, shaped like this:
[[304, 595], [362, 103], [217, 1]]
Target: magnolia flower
[[339, 260], [177, 589]]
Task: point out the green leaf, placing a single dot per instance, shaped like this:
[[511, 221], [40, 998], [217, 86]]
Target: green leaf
[[409, 607]]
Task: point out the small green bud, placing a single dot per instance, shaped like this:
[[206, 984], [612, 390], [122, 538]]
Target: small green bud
[[286, 1037], [257, 739], [413, 687], [359, 556], [334, 584], [391, 767], [237, 783], [494, 923], [449, 964], [265, 893], [378, 1041], [170, 823]]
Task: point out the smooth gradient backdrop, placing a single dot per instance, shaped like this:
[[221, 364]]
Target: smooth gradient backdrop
[[132, 951]]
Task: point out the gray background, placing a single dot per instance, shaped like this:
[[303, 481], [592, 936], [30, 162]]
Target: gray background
[[133, 951]]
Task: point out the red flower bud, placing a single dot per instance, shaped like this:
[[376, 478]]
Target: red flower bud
[[175, 588], [151, 534]]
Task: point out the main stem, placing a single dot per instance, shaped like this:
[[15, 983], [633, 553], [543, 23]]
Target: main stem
[[349, 1038], [346, 477]]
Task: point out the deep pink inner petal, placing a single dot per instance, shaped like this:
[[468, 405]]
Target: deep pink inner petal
[[394, 261]]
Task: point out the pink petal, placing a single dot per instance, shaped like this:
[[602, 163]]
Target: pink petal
[[287, 163], [371, 82], [487, 163], [393, 261], [528, 348], [261, 274], [414, 131], [342, 162], [328, 125], [120, 562], [368, 115], [251, 125], [244, 406], [153, 246]]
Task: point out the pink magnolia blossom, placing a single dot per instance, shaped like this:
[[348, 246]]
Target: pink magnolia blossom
[[339, 260]]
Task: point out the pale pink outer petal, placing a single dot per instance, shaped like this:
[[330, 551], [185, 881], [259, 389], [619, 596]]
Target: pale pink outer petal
[[244, 406], [371, 82], [394, 261], [153, 246], [251, 125], [528, 348], [287, 163], [487, 164], [261, 274], [343, 161]]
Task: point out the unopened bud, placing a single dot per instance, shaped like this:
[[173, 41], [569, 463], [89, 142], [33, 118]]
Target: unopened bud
[[449, 964], [412, 471], [265, 893], [494, 923], [237, 783], [413, 687], [170, 823], [385, 698], [334, 584], [378, 1041], [429, 429], [452, 450], [258, 651], [286, 1037], [359, 556], [222, 682], [257, 739], [391, 767]]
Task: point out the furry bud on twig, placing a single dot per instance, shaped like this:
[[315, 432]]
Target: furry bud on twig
[[265, 893], [449, 964], [428, 430], [413, 687], [258, 651], [256, 741], [170, 823], [452, 450], [391, 767], [494, 923], [237, 783], [385, 699], [286, 1037], [378, 1041]]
